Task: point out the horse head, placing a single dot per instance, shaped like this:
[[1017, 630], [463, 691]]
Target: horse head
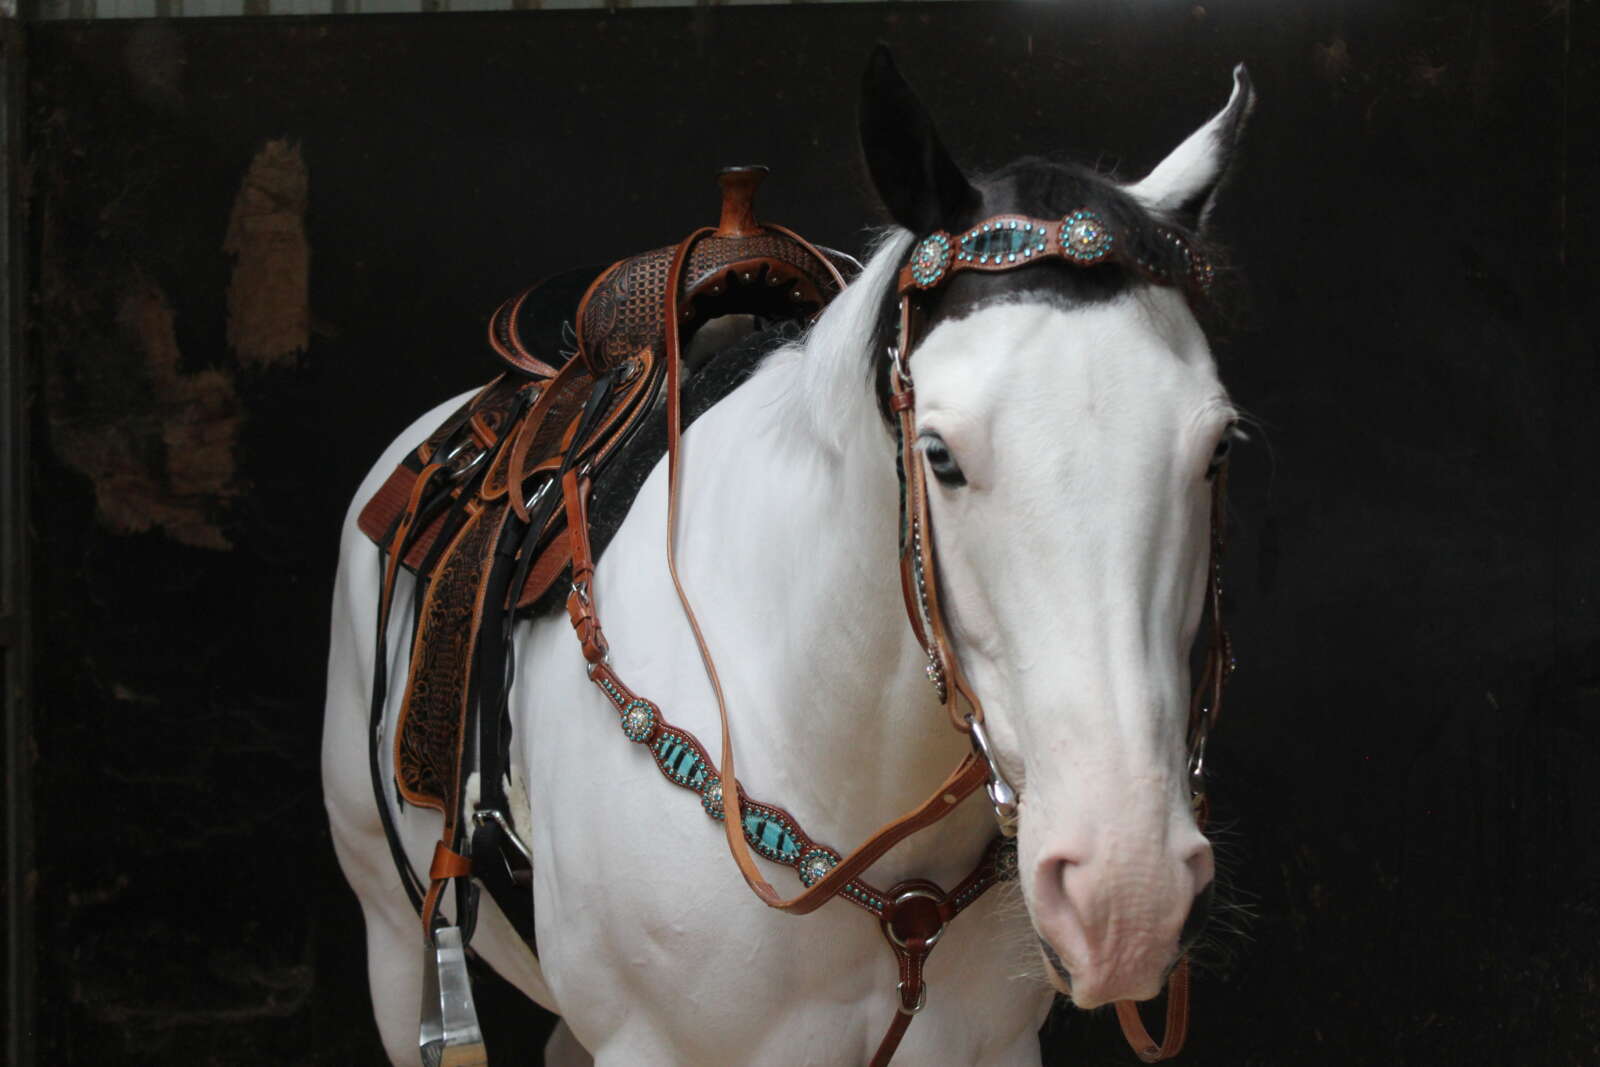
[[1070, 421]]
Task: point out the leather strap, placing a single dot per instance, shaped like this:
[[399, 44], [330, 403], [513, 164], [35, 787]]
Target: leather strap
[[965, 778], [1204, 707], [1146, 1047], [580, 606], [918, 563], [530, 427], [448, 863], [1082, 238]]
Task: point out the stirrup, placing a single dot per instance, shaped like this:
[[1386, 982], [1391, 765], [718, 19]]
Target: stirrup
[[450, 1035]]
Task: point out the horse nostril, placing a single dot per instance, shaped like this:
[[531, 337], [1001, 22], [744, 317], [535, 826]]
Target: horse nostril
[[1202, 866], [1199, 915], [1050, 883]]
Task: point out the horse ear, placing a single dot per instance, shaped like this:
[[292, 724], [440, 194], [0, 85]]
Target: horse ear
[[1184, 185], [915, 177]]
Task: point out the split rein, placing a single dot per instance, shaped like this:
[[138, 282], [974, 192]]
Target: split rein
[[914, 913]]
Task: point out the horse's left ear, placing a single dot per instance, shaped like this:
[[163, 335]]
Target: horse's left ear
[[915, 176], [1184, 185]]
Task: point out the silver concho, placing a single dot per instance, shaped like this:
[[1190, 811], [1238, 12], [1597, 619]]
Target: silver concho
[[1085, 238], [815, 865], [639, 720], [931, 260], [711, 797]]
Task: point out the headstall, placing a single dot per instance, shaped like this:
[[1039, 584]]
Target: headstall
[[1007, 242], [914, 913]]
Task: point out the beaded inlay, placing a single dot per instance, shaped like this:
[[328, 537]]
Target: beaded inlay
[[676, 756], [1004, 241], [769, 830], [770, 834]]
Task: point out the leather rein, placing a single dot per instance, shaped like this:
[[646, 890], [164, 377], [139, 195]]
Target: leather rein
[[914, 913]]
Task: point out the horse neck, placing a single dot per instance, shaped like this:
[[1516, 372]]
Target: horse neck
[[830, 703]]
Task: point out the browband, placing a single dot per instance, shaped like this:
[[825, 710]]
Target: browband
[[1082, 238]]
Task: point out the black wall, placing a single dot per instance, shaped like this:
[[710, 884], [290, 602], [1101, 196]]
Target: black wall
[[1406, 772]]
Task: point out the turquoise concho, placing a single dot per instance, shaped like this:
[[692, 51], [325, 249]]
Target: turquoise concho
[[1004, 241], [770, 834], [931, 260], [711, 797], [639, 721], [816, 863], [1085, 238]]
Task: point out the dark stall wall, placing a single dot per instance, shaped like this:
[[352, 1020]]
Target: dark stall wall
[[262, 247]]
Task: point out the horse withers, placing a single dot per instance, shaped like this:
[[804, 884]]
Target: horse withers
[[1051, 425]]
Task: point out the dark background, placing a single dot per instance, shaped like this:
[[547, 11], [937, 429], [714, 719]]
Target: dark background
[[1406, 773]]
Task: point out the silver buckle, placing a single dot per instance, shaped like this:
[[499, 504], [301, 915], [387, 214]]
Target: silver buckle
[[1001, 795], [498, 817], [901, 367], [922, 998]]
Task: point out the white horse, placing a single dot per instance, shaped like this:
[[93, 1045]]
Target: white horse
[[1070, 419]]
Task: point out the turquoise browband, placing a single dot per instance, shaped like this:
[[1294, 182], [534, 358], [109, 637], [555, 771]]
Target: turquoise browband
[[1006, 242]]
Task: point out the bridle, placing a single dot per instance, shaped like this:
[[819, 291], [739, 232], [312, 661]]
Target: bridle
[[1004, 243], [913, 914]]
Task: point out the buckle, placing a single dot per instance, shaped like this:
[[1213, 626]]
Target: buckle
[[922, 999]]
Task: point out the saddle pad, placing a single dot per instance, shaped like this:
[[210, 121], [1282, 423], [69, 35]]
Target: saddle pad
[[618, 483]]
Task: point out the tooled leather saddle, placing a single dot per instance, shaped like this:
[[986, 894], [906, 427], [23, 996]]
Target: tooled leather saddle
[[476, 512]]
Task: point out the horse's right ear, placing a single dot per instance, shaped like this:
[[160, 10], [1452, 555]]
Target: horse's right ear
[[915, 177]]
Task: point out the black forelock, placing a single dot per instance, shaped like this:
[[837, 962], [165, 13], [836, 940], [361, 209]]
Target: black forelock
[[1051, 190], [1047, 189]]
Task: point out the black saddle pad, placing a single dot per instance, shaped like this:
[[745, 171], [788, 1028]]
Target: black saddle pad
[[621, 479]]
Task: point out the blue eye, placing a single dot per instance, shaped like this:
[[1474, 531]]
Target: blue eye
[[943, 464]]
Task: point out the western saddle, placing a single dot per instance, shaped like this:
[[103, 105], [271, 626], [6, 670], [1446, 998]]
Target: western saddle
[[479, 512]]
